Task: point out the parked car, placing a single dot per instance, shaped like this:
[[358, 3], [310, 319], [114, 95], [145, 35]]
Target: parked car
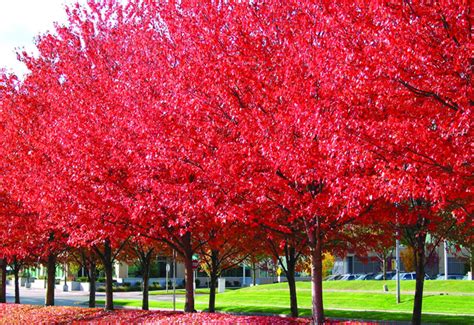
[[333, 277], [379, 276], [368, 276], [408, 276], [349, 277], [451, 276]]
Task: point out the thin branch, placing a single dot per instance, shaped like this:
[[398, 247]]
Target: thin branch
[[431, 94]]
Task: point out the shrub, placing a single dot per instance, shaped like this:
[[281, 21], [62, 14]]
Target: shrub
[[82, 279], [155, 286]]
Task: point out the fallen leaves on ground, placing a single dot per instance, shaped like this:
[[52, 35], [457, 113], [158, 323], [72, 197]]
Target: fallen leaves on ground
[[29, 314]]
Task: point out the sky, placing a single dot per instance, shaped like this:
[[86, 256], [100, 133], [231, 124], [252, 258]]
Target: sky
[[21, 21]]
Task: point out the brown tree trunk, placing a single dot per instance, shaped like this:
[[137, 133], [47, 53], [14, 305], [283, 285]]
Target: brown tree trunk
[[16, 273], [91, 275], [108, 268], [213, 280], [420, 278], [384, 267], [290, 276], [188, 273], [316, 275], [3, 281], [146, 261], [472, 263], [254, 273], [51, 265]]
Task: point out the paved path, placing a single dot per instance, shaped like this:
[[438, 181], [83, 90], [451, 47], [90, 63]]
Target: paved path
[[34, 296]]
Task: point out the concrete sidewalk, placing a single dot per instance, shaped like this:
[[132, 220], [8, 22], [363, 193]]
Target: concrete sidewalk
[[34, 296]]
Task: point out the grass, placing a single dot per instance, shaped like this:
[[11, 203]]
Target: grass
[[431, 286], [347, 300], [344, 314], [449, 286], [351, 302]]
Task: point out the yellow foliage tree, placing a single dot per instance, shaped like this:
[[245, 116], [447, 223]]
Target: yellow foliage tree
[[328, 264], [408, 259]]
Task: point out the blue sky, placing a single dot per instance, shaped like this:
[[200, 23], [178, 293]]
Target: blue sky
[[21, 21]]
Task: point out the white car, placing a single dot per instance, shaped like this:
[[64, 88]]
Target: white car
[[349, 277], [408, 276]]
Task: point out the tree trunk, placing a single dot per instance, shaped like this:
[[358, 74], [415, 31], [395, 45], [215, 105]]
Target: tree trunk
[[472, 263], [91, 274], [213, 280], [188, 273], [384, 267], [420, 278], [290, 276], [51, 265], [254, 273], [146, 276], [316, 276], [108, 268], [16, 272], [3, 281]]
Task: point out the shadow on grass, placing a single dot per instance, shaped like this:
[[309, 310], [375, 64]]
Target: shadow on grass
[[306, 312], [353, 315], [402, 317]]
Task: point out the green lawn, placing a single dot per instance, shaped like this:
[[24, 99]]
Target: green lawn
[[449, 286], [347, 314], [274, 298]]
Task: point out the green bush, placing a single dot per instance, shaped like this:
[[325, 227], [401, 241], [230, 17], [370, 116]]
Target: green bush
[[155, 286], [82, 279], [125, 287]]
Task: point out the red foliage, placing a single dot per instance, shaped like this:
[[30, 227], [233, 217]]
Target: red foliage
[[168, 121]]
